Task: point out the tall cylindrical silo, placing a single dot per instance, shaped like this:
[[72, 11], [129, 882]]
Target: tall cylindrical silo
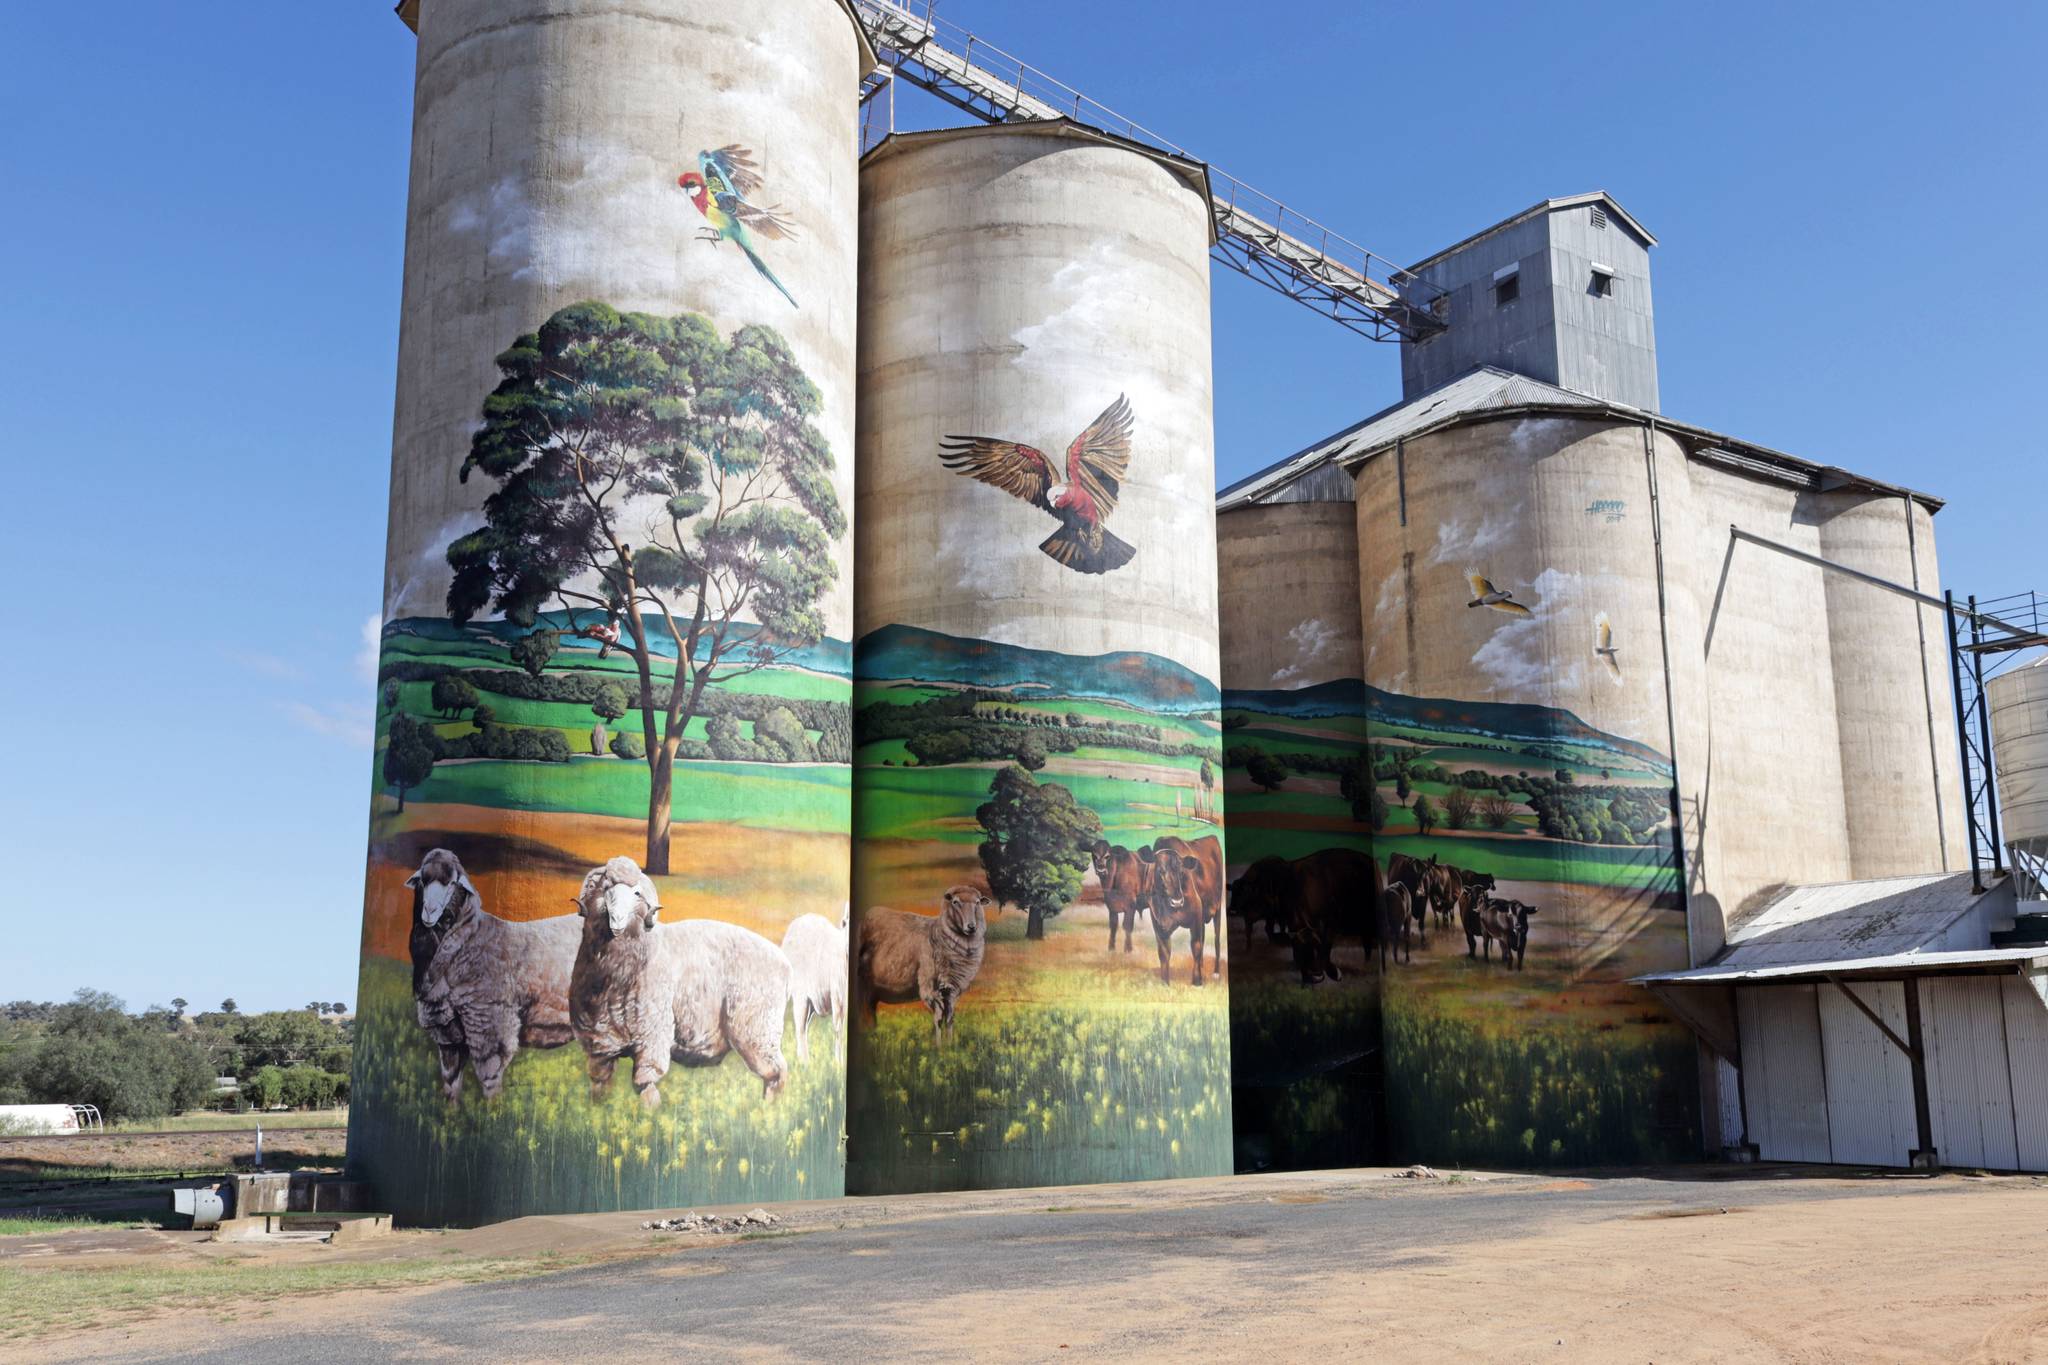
[[613, 715], [2018, 702], [1036, 669], [1306, 1074], [1522, 734], [1894, 711]]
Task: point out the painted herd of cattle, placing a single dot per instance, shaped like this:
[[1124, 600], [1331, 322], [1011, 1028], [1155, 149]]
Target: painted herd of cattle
[[1336, 894], [1311, 903]]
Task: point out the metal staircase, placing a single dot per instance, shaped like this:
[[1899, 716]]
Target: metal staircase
[[1996, 630], [1256, 234]]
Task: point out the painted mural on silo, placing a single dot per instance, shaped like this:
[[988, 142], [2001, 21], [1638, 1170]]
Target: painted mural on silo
[[605, 919], [1309, 933], [1039, 981], [1522, 797]]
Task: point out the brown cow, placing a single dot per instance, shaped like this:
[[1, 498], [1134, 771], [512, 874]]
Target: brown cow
[[1394, 924], [1264, 893], [1186, 893], [1489, 920], [1416, 876], [1126, 882], [1338, 892]]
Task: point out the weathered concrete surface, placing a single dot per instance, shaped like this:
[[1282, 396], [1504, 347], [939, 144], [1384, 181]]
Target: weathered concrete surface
[[1287, 603], [1698, 1264], [1890, 662], [548, 136], [1014, 283]]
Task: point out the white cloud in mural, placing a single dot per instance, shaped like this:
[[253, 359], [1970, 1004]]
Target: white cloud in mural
[[520, 235], [423, 591], [1461, 537], [369, 644], [1311, 641], [1516, 659]]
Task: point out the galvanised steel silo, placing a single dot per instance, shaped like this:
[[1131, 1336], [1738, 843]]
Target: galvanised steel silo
[[1306, 1068], [1036, 669], [613, 722], [1517, 603]]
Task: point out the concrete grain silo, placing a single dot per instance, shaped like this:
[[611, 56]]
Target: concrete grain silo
[[1522, 726], [1893, 704], [598, 762], [1306, 1072], [1036, 667]]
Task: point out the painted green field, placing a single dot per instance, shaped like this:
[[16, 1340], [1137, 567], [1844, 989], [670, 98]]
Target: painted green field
[[1495, 1090], [543, 1144], [939, 803], [804, 797], [1105, 1088]]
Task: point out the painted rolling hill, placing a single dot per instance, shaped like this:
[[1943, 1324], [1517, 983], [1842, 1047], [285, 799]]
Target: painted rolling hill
[[827, 656], [1492, 720], [904, 653]]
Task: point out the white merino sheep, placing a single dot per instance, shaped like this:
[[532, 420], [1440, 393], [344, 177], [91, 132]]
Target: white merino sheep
[[689, 991], [491, 986], [816, 949]]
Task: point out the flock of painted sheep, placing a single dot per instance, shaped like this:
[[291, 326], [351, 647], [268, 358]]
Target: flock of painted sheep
[[613, 978]]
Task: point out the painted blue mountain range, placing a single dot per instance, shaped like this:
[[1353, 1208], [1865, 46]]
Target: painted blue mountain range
[[905, 653]]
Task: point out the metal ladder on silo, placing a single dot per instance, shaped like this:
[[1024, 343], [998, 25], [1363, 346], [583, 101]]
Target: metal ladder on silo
[[1256, 235]]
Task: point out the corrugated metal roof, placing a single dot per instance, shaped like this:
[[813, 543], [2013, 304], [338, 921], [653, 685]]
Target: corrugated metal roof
[[1837, 921], [1892, 964], [1569, 201], [1487, 392]]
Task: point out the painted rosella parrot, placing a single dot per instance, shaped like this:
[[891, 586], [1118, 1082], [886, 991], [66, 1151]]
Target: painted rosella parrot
[[1096, 462], [720, 187]]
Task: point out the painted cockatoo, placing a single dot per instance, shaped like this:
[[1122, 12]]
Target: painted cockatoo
[[721, 187], [1603, 645], [1096, 461], [1484, 594]]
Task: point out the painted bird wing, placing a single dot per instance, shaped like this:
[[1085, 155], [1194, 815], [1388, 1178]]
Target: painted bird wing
[[1480, 584], [1099, 456], [732, 168], [1019, 470], [1606, 633], [1512, 608], [771, 223]]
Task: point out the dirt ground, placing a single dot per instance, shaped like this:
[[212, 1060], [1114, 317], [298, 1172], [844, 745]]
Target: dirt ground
[[1682, 1265], [52, 1158]]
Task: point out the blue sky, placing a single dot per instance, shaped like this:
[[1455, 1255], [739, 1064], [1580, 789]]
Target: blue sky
[[206, 209]]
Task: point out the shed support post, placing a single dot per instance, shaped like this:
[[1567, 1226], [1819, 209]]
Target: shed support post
[[1925, 1158]]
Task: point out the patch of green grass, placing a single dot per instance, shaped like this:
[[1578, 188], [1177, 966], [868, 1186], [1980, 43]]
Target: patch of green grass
[[939, 803], [803, 797], [1109, 1087], [43, 1224], [203, 1120], [65, 1297], [1506, 1090], [545, 1144]]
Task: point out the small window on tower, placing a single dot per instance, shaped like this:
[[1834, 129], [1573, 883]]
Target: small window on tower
[[1603, 282], [1507, 289]]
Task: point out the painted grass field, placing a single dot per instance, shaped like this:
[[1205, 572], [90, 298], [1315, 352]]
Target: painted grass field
[[1070, 1060], [544, 1145], [1561, 1063]]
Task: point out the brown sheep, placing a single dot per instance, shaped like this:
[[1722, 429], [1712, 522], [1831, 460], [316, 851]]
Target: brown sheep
[[930, 959]]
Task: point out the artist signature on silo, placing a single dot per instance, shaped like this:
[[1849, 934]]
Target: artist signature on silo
[[1610, 510]]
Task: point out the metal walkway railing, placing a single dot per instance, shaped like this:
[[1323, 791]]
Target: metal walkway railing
[[1256, 234]]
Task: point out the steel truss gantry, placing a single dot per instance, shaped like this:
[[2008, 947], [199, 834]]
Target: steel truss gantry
[[1256, 235]]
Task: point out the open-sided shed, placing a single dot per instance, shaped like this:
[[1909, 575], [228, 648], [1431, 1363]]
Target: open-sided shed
[[1872, 1023]]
